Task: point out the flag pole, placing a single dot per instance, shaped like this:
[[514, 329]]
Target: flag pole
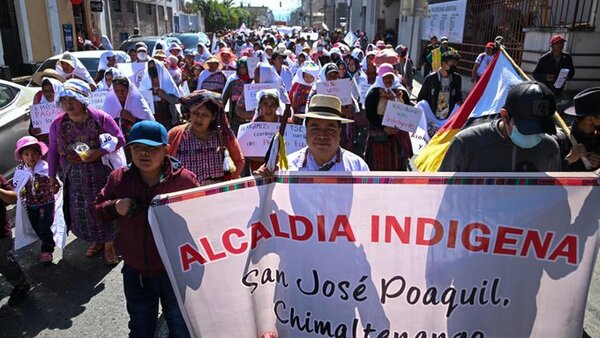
[[556, 115]]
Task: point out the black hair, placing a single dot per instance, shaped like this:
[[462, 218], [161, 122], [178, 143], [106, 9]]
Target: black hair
[[306, 119], [35, 147], [121, 80], [450, 55]]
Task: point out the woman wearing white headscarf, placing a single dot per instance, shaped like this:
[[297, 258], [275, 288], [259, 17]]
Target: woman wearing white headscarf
[[388, 149], [202, 53], [126, 105], [212, 77], [264, 73], [107, 60], [70, 67], [302, 84], [165, 93], [106, 82], [48, 94]]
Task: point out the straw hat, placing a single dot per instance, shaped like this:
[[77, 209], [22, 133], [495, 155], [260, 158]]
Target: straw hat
[[48, 72], [212, 59], [325, 107]]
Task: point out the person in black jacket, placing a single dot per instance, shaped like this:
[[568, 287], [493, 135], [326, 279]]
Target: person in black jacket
[[550, 64], [443, 89]]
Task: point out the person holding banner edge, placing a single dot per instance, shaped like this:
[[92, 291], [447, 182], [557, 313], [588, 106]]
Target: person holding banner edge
[[323, 120], [126, 198]]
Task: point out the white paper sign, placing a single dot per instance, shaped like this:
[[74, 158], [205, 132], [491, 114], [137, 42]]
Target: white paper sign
[[252, 63], [250, 91], [402, 116], [42, 116], [97, 99], [364, 88], [254, 137], [133, 71], [185, 88], [310, 36], [562, 77], [447, 18], [341, 89], [147, 95]]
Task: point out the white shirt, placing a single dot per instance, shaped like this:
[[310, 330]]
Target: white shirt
[[483, 60], [343, 160]]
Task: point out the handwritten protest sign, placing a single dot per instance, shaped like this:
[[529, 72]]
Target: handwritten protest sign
[[250, 91], [42, 115], [97, 99], [252, 63], [341, 89], [315, 254], [133, 71], [364, 88], [254, 138], [402, 116]]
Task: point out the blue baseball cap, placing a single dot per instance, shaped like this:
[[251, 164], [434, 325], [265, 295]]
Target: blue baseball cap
[[150, 133]]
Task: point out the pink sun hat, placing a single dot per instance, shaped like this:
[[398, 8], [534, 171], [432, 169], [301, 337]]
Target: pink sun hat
[[385, 69], [26, 141]]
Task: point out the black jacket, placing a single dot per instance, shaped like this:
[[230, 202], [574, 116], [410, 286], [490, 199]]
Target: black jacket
[[431, 88], [547, 65]]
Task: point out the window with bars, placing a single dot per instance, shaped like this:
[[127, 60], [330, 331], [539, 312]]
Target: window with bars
[[116, 5], [149, 9], [130, 7]]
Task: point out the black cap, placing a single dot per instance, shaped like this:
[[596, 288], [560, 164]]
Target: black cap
[[586, 103], [531, 104], [331, 67]]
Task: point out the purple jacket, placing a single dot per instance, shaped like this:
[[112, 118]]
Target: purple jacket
[[106, 121]]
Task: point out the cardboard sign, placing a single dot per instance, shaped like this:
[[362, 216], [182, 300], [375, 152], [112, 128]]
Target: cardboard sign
[[341, 89], [42, 115], [254, 137], [250, 91], [97, 99], [402, 116], [133, 71]]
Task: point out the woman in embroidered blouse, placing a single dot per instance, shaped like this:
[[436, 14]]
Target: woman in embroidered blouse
[[234, 90], [206, 145], [85, 174]]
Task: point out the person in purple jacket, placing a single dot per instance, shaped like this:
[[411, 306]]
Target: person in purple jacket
[[75, 147]]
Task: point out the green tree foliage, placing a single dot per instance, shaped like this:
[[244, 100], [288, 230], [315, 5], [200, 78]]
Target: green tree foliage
[[220, 14]]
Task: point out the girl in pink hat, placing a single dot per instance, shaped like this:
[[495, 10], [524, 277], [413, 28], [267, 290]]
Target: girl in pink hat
[[35, 199]]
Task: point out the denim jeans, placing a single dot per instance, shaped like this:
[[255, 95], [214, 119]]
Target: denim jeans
[[142, 295], [41, 218]]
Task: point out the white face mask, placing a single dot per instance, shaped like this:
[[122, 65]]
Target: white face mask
[[525, 141], [142, 56]]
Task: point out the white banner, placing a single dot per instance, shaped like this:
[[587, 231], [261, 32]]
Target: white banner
[[382, 254], [342, 89], [402, 116], [446, 18], [97, 99], [255, 137], [250, 91], [42, 116], [252, 63], [310, 36], [133, 71]]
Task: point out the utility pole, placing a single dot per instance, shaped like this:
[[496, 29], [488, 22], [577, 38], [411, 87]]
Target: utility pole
[[310, 12]]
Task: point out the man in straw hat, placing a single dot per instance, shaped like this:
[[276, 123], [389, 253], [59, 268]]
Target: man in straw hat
[[323, 121], [586, 129], [212, 78]]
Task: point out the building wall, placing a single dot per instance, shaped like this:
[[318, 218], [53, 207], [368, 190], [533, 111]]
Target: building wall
[[354, 18], [65, 16], [38, 31]]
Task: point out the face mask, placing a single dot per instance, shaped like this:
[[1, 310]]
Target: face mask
[[142, 56], [452, 70], [525, 141]]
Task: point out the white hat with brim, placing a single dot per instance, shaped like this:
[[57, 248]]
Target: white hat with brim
[[38, 77], [324, 107]]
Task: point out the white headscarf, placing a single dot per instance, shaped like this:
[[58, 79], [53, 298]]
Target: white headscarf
[[166, 82], [268, 74], [259, 96], [102, 85], [106, 44], [134, 103], [56, 86], [202, 57], [309, 67], [205, 75], [103, 63], [379, 84], [79, 70]]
